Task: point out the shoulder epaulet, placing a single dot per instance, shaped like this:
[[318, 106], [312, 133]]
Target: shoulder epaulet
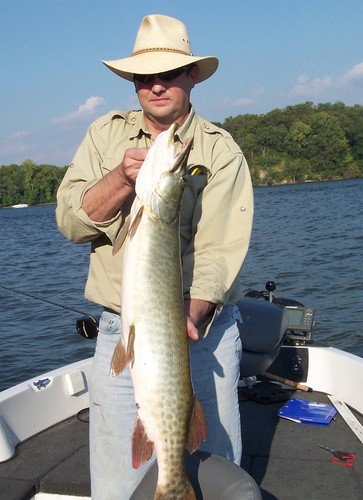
[[219, 133], [210, 128], [115, 114]]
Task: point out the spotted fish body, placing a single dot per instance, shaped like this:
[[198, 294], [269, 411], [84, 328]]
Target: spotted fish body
[[154, 342]]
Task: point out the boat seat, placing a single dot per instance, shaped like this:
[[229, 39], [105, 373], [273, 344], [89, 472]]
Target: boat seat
[[262, 332], [211, 476]]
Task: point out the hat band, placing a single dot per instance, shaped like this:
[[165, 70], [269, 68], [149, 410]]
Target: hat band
[[161, 49]]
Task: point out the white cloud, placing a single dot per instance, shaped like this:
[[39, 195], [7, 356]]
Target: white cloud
[[244, 101], [85, 111], [309, 88], [352, 76], [15, 143]]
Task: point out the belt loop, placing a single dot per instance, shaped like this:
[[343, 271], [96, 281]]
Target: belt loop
[[237, 314]]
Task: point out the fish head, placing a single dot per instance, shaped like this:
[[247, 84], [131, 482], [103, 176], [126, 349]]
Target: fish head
[[162, 178]]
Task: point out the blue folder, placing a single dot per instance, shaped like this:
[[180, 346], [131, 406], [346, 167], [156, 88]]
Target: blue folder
[[308, 412]]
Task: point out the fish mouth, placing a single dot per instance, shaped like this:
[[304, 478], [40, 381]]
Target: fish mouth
[[181, 157]]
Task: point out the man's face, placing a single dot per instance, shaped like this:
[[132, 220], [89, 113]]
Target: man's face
[[166, 101]]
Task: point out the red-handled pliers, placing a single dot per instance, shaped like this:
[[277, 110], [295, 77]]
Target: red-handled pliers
[[340, 457]]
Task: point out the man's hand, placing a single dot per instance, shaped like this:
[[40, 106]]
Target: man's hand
[[131, 164], [197, 311], [192, 330], [105, 198]]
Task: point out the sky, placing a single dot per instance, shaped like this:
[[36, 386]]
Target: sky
[[272, 54]]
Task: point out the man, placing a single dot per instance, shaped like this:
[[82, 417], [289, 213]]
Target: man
[[94, 201]]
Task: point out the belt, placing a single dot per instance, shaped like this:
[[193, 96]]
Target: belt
[[107, 309]]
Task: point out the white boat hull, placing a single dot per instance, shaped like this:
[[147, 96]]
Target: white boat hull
[[26, 410]]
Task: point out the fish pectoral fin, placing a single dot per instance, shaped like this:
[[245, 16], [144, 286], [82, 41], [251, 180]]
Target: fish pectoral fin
[[197, 427], [134, 224], [142, 447], [120, 238], [121, 356], [130, 355], [129, 228]]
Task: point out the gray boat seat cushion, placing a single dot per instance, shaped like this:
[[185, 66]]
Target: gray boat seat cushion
[[212, 477], [262, 331]]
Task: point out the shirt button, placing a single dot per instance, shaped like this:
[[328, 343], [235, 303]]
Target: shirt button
[[243, 209]]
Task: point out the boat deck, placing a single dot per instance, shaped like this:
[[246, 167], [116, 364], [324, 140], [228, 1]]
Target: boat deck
[[285, 461], [282, 456]]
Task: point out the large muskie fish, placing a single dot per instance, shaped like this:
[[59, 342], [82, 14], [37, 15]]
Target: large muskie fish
[[154, 342]]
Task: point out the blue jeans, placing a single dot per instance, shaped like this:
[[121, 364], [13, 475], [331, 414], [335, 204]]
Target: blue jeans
[[215, 373]]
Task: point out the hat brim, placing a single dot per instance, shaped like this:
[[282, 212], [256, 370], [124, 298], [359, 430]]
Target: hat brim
[[152, 63]]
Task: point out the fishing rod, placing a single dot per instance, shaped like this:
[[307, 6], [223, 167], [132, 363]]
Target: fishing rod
[[87, 326]]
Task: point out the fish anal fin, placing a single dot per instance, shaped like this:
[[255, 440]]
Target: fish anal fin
[[142, 447], [197, 427]]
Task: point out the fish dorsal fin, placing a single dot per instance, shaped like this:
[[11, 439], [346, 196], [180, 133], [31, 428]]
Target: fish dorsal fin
[[197, 427], [142, 447]]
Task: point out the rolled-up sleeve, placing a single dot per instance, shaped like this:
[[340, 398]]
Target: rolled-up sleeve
[[85, 170]]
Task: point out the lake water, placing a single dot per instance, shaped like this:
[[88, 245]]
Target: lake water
[[308, 238]]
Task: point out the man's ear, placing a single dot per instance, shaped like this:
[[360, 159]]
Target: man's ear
[[194, 72]]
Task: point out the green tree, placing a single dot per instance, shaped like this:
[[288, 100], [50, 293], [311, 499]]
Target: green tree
[[327, 148], [29, 183]]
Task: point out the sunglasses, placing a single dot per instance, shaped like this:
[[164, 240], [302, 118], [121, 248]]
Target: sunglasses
[[166, 76]]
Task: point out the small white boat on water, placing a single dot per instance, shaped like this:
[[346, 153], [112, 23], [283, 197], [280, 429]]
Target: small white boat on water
[[44, 421], [20, 205]]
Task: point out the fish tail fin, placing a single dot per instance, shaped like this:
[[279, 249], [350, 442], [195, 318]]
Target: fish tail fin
[[122, 356], [142, 447], [181, 487], [197, 427]]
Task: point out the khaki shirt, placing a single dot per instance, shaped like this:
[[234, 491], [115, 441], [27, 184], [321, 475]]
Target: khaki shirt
[[216, 211]]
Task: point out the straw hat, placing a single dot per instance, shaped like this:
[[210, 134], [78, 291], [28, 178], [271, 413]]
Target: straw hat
[[162, 44]]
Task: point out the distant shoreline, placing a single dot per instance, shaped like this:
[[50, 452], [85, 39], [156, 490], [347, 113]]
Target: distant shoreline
[[255, 186]]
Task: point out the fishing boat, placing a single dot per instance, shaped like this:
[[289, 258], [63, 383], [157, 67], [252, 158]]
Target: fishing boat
[[301, 411]]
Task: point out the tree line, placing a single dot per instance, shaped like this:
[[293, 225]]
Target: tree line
[[304, 142], [29, 183]]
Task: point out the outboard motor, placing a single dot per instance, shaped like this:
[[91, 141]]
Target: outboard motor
[[267, 323]]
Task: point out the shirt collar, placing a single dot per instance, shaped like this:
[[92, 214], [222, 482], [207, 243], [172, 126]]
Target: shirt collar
[[137, 120]]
